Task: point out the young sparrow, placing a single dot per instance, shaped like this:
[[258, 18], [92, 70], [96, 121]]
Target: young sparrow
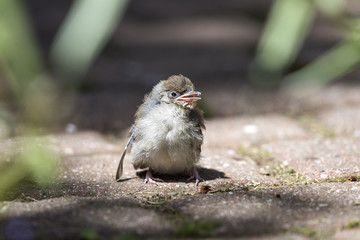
[[166, 136]]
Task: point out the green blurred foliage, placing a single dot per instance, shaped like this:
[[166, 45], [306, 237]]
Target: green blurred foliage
[[283, 36], [284, 33], [23, 76], [40, 162], [20, 60], [83, 35], [31, 160], [24, 79], [335, 63]]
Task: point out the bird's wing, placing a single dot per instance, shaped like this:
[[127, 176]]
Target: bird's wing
[[120, 167], [150, 101]]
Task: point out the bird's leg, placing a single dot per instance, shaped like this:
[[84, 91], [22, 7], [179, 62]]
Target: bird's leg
[[150, 179], [195, 175]]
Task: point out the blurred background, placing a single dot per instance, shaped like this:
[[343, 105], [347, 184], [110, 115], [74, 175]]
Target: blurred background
[[77, 65], [95, 61]]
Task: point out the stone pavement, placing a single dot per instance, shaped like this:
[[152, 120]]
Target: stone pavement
[[287, 174]]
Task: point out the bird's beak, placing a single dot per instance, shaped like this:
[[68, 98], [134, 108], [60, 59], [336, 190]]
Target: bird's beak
[[189, 97]]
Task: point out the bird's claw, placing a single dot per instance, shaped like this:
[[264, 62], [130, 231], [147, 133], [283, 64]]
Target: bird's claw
[[197, 179], [196, 176], [153, 180], [150, 179]]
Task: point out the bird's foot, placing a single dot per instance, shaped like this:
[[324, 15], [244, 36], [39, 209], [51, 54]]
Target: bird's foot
[[196, 176], [150, 179]]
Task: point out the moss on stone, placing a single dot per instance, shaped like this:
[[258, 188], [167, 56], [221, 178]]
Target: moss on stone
[[312, 233], [254, 152], [286, 175], [308, 232], [313, 124], [344, 179], [196, 228], [226, 187], [353, 224], [91, 234]]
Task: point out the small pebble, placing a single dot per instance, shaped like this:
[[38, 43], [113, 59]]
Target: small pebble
[[250, 129], [357, 134], [70, 128], [69, 151]]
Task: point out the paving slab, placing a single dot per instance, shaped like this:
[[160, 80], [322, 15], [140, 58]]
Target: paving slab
[[82, 143], [94, 175], [238, 130], [317, 210], [348, 234], [324, 208], [240, 202], [335, 96], [68, 218], [235, 167], [343, 121], [319, 159], [281, 236], [78, 143]]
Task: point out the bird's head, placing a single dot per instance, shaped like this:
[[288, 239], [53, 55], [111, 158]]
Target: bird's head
[[179, 90]]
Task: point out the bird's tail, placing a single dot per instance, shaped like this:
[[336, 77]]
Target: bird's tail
[[121, 163]]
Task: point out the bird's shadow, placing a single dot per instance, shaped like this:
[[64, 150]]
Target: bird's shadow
[[205, 173]]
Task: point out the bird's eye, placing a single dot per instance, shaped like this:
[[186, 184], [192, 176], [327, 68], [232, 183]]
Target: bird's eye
[[173, 94]]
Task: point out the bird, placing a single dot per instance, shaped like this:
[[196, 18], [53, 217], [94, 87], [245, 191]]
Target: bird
[[166, 135]]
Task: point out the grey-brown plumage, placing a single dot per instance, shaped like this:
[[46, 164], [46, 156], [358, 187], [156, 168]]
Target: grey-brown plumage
[[166, 136]]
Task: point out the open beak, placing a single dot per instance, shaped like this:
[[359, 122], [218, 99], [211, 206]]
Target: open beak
[[189, 97]]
